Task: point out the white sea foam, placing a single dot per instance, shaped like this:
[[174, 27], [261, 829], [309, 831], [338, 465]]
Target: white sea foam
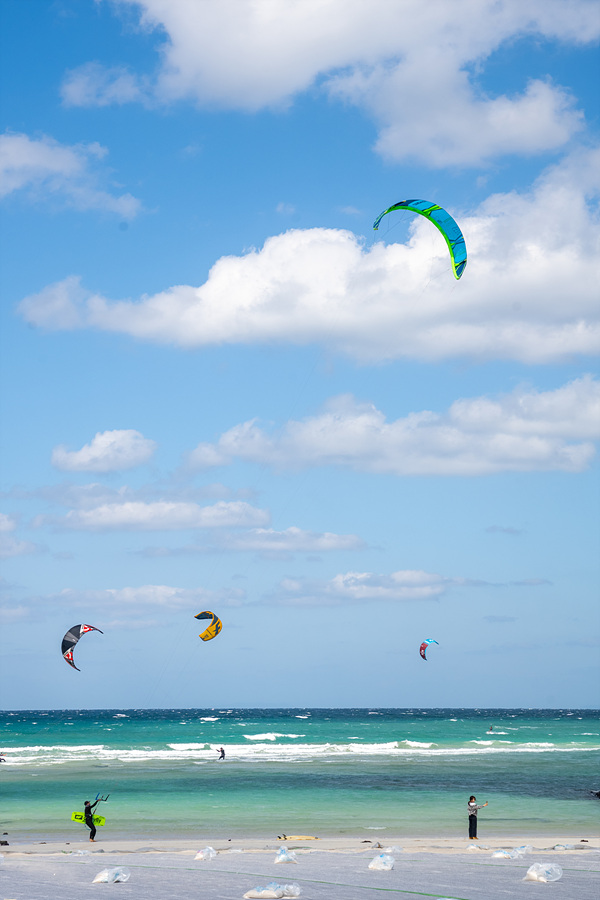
[[271, 736], [301, 717], [204, 753], [118, 716], [65, 748], [209, 719], [418, 744], [189, 746]]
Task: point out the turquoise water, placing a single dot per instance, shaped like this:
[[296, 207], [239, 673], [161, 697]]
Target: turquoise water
[[327, 772]]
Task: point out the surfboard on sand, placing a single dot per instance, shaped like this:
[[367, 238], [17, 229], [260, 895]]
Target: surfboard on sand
[[80, 817], [297, 837]]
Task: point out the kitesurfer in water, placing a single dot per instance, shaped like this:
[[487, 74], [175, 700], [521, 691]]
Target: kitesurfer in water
[[472, 808], [221, 753]]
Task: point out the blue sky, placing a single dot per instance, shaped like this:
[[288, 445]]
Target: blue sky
[[222, 390]]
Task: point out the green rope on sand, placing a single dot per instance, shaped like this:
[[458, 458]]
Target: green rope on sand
[[360, 887]]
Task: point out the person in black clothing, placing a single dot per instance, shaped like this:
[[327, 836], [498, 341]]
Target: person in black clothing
[[89, 817], [472, 808], [221, 753]]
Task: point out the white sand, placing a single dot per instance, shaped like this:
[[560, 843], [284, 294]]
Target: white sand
[[332, 868]]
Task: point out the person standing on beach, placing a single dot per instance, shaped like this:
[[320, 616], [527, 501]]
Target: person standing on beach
[[472, 808], [89, 817]]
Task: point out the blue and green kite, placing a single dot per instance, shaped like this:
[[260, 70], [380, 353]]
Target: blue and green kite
[[443, 221]]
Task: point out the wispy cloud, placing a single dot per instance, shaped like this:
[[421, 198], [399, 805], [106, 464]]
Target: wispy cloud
[[93, 84], [94, 494], [285, 209], [266, 542], [157, 516], [359, 587], [7, 523], [68, 174], [149, 596], [13, 613], [10, 545]]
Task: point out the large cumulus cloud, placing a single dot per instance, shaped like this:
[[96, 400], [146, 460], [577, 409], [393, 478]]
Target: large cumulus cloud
[[411, 65], [529, 292]]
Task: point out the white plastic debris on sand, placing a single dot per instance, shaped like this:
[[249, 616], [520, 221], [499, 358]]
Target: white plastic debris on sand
[[524, 848], [543, 872], [207, 853], [112, 876], [382, 863], [274, 891], [285, 856]]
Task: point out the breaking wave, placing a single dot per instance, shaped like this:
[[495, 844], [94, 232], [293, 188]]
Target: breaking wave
[[264, 747]]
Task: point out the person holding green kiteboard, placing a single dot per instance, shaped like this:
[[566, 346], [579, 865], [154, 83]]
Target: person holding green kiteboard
[[89, 815]]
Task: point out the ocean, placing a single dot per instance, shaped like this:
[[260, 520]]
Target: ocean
[[364, 773]]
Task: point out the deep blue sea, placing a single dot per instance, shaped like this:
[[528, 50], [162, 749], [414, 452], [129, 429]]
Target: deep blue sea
[[366, 773]]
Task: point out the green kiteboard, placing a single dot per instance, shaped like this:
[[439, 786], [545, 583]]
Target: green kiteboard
[[80, 817]]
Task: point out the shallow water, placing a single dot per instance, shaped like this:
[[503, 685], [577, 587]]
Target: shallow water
[[330, 772]]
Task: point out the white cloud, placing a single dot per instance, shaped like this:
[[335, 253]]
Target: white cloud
[[108, 451], [436, 117], [267, 542], [523, 431], [410, 64], [529, 291], [95, 85], [11, 546], [47, 169], [158, 516], [130, 599], [88, 496], [292, 540], [360, 587]]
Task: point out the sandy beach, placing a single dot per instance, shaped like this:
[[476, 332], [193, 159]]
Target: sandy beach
[[327, 868]]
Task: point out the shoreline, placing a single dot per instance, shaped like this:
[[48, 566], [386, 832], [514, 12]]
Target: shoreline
[[439, 845]]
